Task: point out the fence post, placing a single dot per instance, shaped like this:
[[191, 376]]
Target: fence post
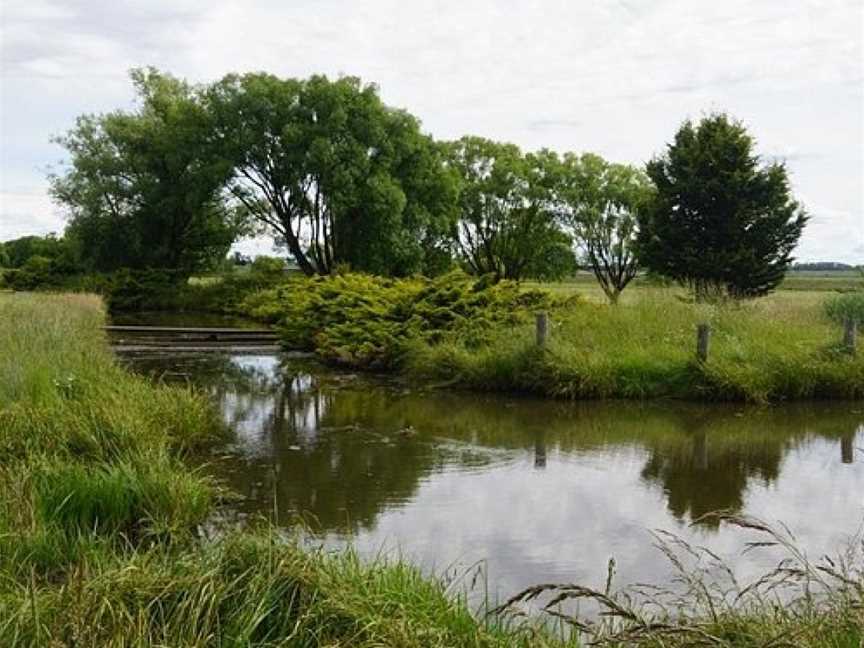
[[703, 338], [850, 332], [542, 328]]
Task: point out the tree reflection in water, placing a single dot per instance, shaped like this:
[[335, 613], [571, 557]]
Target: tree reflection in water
[[341, 449]]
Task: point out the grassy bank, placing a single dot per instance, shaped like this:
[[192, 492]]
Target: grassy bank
[[453, 330], [778, 348], [101, 520], [103, 542]]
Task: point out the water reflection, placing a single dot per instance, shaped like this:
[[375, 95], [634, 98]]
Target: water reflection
[[541, 490]]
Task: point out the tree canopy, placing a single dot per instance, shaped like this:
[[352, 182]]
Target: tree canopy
[[721, 221], [340, 179], [143, 188], [16, 252], [335, 174], [507, 215], [600, 203]]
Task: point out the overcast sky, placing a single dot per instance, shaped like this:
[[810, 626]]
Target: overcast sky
[[611, 76]]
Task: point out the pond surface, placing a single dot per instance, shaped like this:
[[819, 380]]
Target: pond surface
[[536, 490]]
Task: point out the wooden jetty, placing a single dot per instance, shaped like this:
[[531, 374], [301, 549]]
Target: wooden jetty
[[177, 338]]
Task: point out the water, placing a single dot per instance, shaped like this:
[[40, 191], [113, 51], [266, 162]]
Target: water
[[534, 490]]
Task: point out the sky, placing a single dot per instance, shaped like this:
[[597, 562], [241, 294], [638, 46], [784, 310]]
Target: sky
[[615, 77]]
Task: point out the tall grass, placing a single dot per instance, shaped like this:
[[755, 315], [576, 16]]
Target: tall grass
[[778, 348], [801, 602], [248, 591], [102, 526]]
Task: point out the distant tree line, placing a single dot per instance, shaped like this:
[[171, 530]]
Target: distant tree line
[[824, 266], [341, 180]]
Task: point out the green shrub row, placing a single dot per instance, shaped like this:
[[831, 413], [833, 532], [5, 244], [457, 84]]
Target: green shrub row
[[129, 290], [364, 321]]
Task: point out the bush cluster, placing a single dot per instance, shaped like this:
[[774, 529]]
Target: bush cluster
[[365, 321], [129, 289], [40, 273]]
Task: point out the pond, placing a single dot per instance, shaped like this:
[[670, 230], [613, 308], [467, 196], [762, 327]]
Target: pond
[[531, 490]]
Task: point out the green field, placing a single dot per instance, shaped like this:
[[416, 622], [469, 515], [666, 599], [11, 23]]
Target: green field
[[799, 280]]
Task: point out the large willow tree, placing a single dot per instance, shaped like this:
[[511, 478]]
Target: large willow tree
[[508, 225], [599, 203], [143, 187], [333, 173]]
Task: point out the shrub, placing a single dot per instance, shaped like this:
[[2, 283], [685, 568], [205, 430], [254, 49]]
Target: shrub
[[266, 266], [36, 271], [366, 322], [140, 289]]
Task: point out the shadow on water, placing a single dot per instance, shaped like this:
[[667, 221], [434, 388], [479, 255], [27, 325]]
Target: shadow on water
[[541, 490]]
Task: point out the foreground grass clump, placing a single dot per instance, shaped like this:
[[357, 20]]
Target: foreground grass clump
[[89, 454], [364, 321], [246, 590], [778, 348]]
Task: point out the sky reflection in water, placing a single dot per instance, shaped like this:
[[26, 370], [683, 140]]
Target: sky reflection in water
[[541, 491]]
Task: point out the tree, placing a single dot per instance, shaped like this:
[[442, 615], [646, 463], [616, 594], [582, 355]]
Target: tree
[[507, 223], [332, 172], [16, 252], [600, 203], [721, 221], [143, 188]]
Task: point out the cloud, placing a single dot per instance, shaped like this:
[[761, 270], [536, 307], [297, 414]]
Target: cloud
[[614, 78], [23, 213]]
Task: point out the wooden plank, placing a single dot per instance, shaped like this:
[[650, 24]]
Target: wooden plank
[[135, 348], [181, 329], [203, 343], [194, 336]]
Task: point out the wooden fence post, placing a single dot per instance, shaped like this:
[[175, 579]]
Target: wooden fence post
[[703, 338], [542, 328], [850, 332]]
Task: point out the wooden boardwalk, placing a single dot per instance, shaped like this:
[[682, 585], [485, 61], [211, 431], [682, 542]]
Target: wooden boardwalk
[[177, 339]]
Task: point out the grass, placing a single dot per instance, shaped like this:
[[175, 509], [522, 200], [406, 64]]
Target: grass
[[781, 347], [247, 591], [801, 602], [104, 537], [103, 526], [795, 280]]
